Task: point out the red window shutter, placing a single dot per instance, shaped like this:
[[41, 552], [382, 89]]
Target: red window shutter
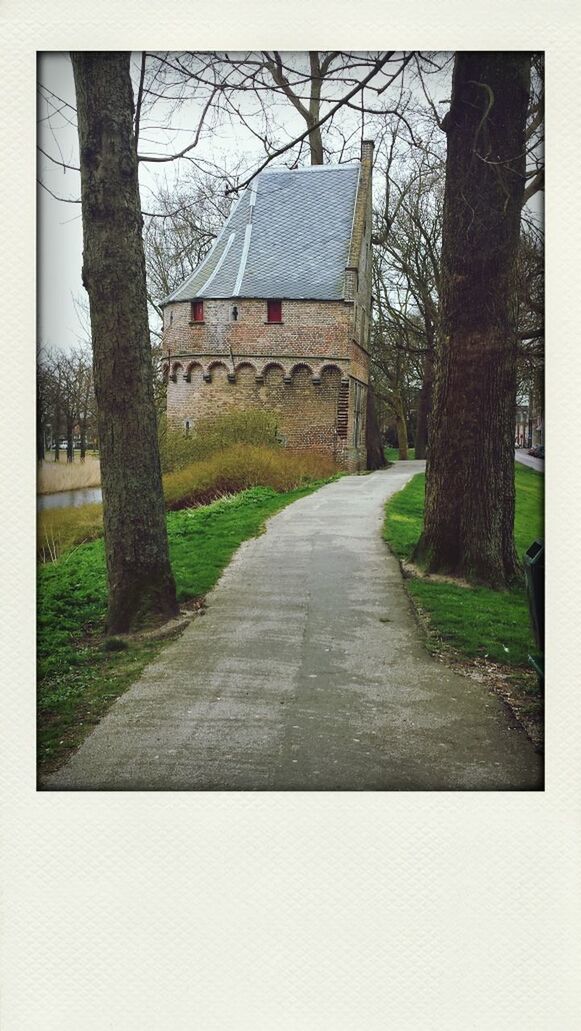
[[274, 311], [197, 311]]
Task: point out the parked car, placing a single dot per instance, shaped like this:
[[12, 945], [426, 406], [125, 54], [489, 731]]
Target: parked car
[[538, 451]]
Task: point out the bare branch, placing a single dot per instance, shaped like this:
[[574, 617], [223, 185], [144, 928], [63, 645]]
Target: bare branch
[[538, 183], [182, 153], [63, 164], [282, 150], [68, 200]]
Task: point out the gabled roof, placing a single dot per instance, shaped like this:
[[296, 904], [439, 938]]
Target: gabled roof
[[287, 236]]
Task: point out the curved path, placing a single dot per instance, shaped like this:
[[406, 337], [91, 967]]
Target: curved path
[[307, 672]]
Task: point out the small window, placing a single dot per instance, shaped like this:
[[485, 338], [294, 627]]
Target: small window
[[274, 309], [197, 311], [234, 313]]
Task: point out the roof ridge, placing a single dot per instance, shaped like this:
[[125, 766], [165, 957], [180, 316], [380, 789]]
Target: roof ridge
[[311, 168]]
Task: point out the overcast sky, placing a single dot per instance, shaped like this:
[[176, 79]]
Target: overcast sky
[[60, 229]]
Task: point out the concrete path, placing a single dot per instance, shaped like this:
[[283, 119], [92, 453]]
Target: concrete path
[[533, 463], [307, 672]]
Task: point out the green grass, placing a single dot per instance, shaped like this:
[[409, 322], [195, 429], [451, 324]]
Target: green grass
[[79, 672], [476, 621], [392, 454]]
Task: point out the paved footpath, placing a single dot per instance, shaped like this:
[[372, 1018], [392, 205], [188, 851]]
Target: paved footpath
[[533, 463], [307, 672]]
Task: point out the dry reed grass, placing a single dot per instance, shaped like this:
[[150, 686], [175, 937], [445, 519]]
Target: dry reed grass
[[62, 475], [224, 473], [243, 466]]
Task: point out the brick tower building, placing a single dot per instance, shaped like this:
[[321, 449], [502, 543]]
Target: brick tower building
[[277, 316]]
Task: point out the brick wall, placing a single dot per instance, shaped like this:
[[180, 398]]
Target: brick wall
[[308, 329]]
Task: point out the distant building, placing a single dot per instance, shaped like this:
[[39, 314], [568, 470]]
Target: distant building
[[537, 409], [521, 431], [277, 316]]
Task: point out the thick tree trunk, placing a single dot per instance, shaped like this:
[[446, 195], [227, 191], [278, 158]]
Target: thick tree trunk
[[136, 547], [469, 514], [375, 454]]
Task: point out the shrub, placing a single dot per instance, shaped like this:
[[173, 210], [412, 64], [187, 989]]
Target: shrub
[[212, 435], [242, 466]]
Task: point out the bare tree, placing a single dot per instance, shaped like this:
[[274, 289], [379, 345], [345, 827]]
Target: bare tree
[[248, 89], [185, 222], [407, 238]]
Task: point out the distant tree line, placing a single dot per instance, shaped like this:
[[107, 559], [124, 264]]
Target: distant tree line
[[65, 398]]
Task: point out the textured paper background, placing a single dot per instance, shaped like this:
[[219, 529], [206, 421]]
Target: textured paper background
[[336, 912]]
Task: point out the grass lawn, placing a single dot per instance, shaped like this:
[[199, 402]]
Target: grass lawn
[[476, 622], [392, 454], [80, 672]]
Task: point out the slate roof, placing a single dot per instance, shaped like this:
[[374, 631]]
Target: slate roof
[[287, 236]]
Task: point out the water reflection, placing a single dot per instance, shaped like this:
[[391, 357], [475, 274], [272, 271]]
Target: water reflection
[[68, 498]]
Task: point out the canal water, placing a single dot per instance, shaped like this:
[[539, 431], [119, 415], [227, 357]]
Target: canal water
[[68, 498]]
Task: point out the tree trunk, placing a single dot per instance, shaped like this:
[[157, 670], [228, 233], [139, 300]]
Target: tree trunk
[[375, 454], [401, 427], [469, 513], [315, 139], [136, 546], [40, 423], [83, 439], [424, 407], [70, 447]]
